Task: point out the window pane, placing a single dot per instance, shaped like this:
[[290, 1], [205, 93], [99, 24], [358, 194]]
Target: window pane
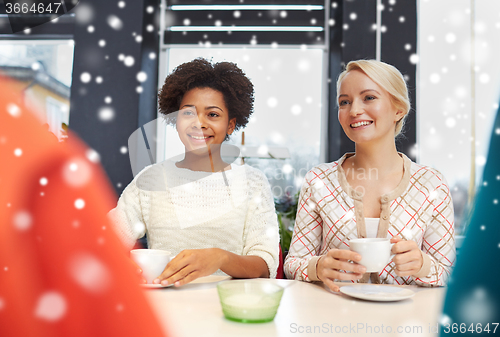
[[458, 92], [42, 70]]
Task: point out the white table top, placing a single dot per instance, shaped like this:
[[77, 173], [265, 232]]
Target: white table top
[[306, 309]]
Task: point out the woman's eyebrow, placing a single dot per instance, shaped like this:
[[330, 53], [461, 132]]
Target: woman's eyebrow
[[362, 92], [212, 107]]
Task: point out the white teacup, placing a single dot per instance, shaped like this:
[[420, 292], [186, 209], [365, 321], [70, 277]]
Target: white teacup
[[375, 252], [151, 261]]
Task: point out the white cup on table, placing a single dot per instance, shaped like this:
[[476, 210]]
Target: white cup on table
[[151, 261], [375, 252]]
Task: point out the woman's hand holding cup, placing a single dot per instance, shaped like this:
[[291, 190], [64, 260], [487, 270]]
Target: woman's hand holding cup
[[408, 259], [329, 267]]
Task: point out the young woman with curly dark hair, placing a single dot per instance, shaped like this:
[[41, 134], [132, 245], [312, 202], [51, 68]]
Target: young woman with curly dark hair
[[214, 216]]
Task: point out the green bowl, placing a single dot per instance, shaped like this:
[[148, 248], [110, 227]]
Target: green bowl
[[249, 301]]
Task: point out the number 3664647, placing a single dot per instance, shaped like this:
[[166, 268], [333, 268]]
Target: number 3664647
[[33, 8], [472, 328]]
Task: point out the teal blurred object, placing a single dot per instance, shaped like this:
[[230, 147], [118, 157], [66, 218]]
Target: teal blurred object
[[473, 296]]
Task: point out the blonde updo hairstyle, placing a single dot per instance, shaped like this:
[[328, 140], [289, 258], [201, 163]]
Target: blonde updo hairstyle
[[387, 77]]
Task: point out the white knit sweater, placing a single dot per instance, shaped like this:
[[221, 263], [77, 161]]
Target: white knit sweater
[[182, 209]]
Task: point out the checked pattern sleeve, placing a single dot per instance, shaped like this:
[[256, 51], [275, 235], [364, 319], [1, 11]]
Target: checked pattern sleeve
[[439, 238], [307, 233]]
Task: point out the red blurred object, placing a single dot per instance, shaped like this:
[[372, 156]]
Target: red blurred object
[[63, 272]]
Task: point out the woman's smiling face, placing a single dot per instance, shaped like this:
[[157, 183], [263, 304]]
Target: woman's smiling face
[[203, 119], [366, 111]]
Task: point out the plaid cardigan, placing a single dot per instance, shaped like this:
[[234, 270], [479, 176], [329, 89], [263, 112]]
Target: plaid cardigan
[[330, 213]]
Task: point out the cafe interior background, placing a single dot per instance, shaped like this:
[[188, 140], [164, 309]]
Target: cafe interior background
[[98, 68]]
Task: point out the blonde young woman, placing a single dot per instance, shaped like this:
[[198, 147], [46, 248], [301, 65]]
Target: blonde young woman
[[373, 192]]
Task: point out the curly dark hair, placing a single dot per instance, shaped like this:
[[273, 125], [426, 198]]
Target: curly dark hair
[[224, 77]]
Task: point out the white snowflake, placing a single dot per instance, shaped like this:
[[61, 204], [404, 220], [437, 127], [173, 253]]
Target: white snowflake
[[287, 169], [296, 109], [128, 61], [450, 38], [272, 102], [13, 110], [450, 122], [414, 58], [480, 160], [22, 220], [263, 150], [304, 65], [445, 320], [92, 155], [484, 78], [77, 172], [106, 114], [435, 78], [79, 203], [89, 272], [85, 77], [114, 22], [142, 76], [51, 306]]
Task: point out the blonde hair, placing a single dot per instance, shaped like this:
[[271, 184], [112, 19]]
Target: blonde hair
[[387, 77]]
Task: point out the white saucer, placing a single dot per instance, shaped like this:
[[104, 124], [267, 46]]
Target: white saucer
[[377, 292], [149, 285]]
